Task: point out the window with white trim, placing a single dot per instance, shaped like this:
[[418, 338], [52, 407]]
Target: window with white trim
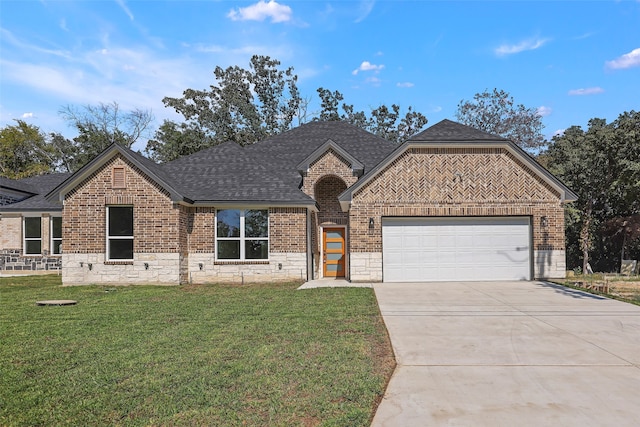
[[56, 235], [120, 233], [32, 233], [242, 234]]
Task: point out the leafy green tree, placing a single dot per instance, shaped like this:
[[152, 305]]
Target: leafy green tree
[[101, 125], [383, 121], [601, 165], [495, 112], [173, 140], [244, 106], [24, 151]]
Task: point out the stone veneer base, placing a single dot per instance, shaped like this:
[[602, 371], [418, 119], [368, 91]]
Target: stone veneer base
[[86, 269], [549, 264], [365, 266], [280, 267]]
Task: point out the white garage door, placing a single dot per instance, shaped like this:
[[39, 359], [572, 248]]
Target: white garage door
[[447, 249]]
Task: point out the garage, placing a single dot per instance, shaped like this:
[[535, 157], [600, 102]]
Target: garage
[[456, 248]]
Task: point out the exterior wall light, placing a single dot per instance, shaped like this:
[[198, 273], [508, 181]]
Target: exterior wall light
[[544, 221], [371, 223]]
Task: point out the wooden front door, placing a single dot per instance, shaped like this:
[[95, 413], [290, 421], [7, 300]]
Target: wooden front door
[[333, 252]]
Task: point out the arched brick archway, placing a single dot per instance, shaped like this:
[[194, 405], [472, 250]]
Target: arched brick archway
[[326, 193], [329, 219]]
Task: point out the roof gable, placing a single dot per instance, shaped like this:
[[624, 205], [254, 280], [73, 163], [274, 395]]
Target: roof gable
[[147, 166], [354, 164], [455, 135]]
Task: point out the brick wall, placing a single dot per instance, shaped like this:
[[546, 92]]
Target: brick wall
[[288, 230], [11, 231], [155, 217], [456, 182], [160, 240], [326, 178], [330, 163]]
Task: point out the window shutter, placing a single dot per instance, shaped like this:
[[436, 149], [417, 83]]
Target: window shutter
[[118, 178]]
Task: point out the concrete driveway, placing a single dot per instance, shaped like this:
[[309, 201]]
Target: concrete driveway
[[509, 354]]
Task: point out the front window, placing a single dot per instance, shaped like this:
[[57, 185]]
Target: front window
[[32, 236], [242, 234], [120, 232], [56, 235]]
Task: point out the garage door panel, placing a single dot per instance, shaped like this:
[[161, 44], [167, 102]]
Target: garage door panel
[[430, 249]]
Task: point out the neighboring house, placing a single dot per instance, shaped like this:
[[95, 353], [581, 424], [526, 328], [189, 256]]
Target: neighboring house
[[326, 199], [30, 226]]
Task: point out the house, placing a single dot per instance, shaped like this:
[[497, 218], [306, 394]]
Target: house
[[30, 226], [324, 200]]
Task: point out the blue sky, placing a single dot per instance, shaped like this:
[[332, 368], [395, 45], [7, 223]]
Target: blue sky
[[571, 60]]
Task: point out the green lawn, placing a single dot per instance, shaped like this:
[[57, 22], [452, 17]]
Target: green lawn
[[257, 355]]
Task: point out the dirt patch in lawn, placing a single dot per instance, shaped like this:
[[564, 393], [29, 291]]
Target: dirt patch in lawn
[[625, 289]]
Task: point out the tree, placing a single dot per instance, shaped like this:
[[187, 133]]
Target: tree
[[601, 165], [101, 125], [382, 122], [173, 140], [495, 112], [244, 106], [24, 151]]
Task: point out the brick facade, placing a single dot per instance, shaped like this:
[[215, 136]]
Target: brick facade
[[85, 208], [459, 182], [159, 243], [326, 179], [172, 243], [329, 163]]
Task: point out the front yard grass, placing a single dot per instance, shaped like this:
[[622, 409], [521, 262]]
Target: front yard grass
[[256, 355]]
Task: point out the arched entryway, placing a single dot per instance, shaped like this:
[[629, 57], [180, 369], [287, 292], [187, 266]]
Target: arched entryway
[[330, 228]]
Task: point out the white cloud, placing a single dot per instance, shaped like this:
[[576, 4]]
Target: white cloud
[[628, 60], [559, 132], [364, 9], [405, 84], [261, 11], [27, 115], [529, 44], [586, 91], [543, 111], [367, 66], [7, 36], [124, 7]]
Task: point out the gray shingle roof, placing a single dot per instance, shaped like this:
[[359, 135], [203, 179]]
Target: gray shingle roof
[[41, 185], [448, 131], [267, 170], [16, 185]]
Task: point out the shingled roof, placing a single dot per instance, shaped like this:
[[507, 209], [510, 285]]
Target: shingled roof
[[448, 131], [39, 186], [267, 170]]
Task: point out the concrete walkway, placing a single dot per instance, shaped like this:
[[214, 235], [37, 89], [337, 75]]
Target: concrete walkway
[[509, 354]]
